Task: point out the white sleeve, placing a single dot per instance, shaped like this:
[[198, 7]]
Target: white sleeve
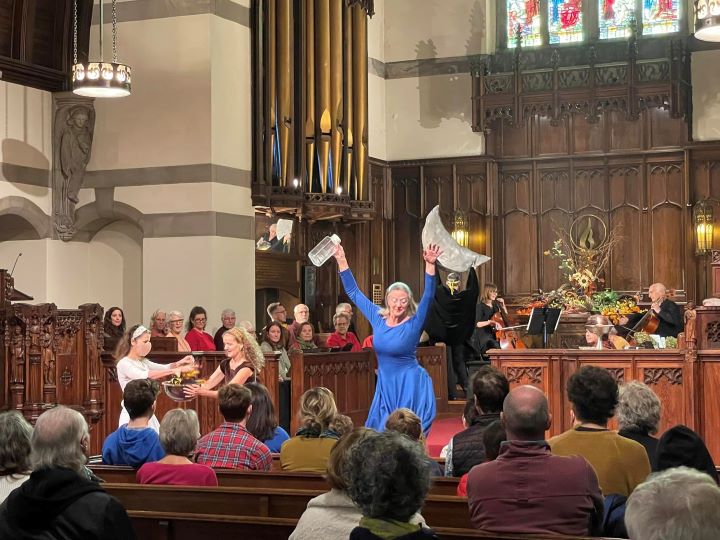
[[129, 371], [153, 366]]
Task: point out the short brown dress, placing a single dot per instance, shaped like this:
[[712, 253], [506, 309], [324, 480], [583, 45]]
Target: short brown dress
[[230, 373]]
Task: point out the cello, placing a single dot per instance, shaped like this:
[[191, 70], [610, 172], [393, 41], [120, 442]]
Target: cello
[[508, 339]]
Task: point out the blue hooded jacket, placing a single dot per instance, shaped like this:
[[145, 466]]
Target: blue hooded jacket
[[132, 447]]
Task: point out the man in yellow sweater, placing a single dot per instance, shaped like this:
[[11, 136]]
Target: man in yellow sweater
[[620, 463]]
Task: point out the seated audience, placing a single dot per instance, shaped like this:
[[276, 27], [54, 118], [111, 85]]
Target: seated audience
[[273, 342], [407, 423], [278, 314], [341, 338], [466, 449], [677, 504], [175, 326], [368, 342], [228, 318], [136, 442], [158, 324], [681, 446], [302, 315], [493, 436], [231, 446], [179, 433], [564, 492], [638, 415], [388, 479], [15, 434], [263, 423], [309, 449], [113, 327], [58, 501], [620, 464], [468, 413], [340, 425], [344, 307], [244, 361], [334, 514], [306, 337], [197, 337]]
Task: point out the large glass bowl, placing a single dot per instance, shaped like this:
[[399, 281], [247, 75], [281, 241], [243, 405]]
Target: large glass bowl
[[175, 391]]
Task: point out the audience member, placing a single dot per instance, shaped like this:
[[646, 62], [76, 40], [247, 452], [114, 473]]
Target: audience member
[[469, 412], [367, 342], [132, 364], [310, 448], [493, 436], [333, 514], [15, 434], [681, 446], [135, 443], [158, 324], [231, 446], [244, 361], [388, 480], [197, 337], [113, 328], [620, 464], [263, 422], [466, 449], [175, 326], [250, 327], [278, 314], [228, 318], [638, 415], [179, 434], [677, 504], [564, 492], [58, 501], [341, 338], [306, 337], [301, 314], [340, 425], [344, 307], [273, 342], [407, 423]]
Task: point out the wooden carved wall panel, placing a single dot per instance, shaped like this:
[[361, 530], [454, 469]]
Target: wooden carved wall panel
[[669, 385], [515, 141], [552, 140], [587, 137], [555, 212], [438, 190], [519, 233], [667, 217], [406, 241], [471, 196], [665, 131], [624, 134], [589, 191], [625, 192]]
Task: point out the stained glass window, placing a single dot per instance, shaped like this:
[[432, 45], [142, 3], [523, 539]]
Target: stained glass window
[[565, 21], [660, 16], [526, 15], [616, 18]]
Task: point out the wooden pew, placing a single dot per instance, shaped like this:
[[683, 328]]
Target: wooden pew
[[261, 479]]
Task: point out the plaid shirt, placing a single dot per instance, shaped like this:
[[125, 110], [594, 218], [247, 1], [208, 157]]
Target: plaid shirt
[[231, 446]]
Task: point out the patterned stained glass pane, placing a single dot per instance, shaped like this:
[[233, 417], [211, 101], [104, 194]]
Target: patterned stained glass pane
[[660, 16], [565, 21], [526, 15], [616, 17]]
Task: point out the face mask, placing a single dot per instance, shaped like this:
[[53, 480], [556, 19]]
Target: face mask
[[453, 283]]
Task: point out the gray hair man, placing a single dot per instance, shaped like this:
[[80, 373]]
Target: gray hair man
[[228, 319], [676, 504], [59, 500], [565, 491]]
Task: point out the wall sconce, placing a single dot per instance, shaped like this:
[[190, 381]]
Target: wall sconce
[[707, 20], [460, 231], [704, 226]]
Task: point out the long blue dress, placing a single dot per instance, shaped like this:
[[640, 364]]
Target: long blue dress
[[401, 382]]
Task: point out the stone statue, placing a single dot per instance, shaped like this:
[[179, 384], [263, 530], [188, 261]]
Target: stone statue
[[72, 142]]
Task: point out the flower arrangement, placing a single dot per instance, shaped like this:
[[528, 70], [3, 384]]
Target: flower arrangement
[[614, 307]]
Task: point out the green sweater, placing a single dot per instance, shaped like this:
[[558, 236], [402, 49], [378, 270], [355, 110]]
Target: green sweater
[[620, 464]]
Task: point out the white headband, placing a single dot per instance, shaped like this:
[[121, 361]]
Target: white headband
[[139, 331]]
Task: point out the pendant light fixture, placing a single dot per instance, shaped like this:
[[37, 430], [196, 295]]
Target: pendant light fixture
[[99, 78], [707, 20]]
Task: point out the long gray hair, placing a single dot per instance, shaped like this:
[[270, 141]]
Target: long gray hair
[[399, 286]]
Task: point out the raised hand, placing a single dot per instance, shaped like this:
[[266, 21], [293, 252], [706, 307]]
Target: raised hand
[[431, 253], [340, 258]]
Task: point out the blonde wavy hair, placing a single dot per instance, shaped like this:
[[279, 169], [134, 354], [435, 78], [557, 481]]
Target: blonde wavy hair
[[317, 409], [399, 286], [251, 349]]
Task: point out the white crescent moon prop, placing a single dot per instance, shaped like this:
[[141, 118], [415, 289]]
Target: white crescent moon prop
[[454, 257]]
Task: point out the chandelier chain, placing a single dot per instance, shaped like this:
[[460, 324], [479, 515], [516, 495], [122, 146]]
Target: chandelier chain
[[75, 32], [114, 31]]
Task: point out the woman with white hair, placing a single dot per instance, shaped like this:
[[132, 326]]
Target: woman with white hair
[[638, 415], [401, 381], [175, 327]]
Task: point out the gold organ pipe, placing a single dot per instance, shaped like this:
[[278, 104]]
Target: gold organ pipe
[[322, 63], [360, 98], [271, 89], [309, 91], [336, 87], [285, 86], [348, 119]]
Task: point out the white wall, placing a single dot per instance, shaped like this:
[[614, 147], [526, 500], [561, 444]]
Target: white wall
[[706, 95]]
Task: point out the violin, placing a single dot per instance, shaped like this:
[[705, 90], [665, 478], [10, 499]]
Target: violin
[[508, 339]]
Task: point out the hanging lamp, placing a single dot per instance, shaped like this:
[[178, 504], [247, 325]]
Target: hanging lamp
[[100, 79], [707, 20]]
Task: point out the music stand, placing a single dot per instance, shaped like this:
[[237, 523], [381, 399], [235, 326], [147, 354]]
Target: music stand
[[543, 321]]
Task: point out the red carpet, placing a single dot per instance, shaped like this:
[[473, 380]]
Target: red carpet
[[440, 434]]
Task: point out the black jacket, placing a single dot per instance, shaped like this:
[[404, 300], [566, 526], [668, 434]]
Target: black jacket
[[671, 319], [58, 504], [468, 448]]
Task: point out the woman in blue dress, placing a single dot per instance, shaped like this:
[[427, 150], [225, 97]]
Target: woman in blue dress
[[401, 381]]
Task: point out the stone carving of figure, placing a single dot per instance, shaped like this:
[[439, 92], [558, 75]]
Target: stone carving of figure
[[48, 355], [34, 335], [18, 354]]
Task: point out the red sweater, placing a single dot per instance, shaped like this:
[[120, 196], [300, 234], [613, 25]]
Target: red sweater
[[335, 340], [192, 474], [200, 341]]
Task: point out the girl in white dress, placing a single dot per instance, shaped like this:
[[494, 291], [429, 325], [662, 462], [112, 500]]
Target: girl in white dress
[[133, 365]]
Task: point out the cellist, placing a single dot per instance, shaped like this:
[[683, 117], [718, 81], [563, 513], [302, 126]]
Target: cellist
[[484, 337], [670, 318]]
